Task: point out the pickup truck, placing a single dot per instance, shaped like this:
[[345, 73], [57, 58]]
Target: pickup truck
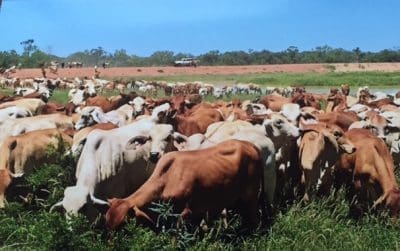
[[186, 62]]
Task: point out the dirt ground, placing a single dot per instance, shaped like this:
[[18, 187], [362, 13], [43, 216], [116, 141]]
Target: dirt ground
[[211, 70]]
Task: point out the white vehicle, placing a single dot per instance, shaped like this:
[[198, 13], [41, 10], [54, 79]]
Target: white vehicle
[[186, 62]]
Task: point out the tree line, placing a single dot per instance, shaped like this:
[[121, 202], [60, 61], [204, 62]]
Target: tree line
[[33, 57]]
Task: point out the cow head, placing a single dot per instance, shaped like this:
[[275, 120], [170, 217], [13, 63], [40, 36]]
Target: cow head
[[77, 96], [317, 137], [90, 115], [291, 111], [139, 105], [278, 129], [185, 143], [118, 212], [75, 197], [160, 138], [90, 89]]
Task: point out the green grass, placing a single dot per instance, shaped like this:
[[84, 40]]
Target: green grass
[[321, 225], [286, 79]]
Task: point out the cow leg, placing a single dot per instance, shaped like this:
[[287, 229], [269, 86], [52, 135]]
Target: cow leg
[[249, 211], [5, 180]]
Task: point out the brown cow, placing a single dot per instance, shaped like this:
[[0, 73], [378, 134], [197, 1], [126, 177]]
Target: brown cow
[[341, 119], [197, 122], [197, 182], [109, 105], [274, 102], [370, 171]]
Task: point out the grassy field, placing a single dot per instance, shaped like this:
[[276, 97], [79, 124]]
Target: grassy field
[[286, 79], [321, 225]]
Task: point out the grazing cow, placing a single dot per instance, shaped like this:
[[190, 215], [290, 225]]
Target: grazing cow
[[320, 148], [369, 171], [20, 154], [216, 178], [270, 137], [116, 161]]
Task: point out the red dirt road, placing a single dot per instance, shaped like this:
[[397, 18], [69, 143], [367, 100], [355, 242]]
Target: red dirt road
[[210, 70]]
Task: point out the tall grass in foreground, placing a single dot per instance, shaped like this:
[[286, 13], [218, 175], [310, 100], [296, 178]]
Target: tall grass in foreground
[[321, 225]]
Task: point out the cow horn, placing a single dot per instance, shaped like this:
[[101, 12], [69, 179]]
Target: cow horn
[[15, 175], [139, 213], [98, 201], [55, 205]]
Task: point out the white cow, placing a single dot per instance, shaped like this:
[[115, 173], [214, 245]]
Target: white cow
[[14, 112], [91, 115], [139, 105], [115, 163]]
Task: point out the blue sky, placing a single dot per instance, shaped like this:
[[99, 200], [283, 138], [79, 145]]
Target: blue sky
[[142, 27]]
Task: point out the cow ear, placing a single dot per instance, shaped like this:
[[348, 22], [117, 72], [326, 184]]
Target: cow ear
[[180, 141], [161, 116], [391, 129], [98, 117], [136, 142]]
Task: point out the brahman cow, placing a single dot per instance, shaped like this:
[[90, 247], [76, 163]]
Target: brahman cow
[[34, 105], [116, 161], [91, 115]]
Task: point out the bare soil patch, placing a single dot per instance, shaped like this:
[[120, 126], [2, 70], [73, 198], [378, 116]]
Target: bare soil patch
[[211, 70]]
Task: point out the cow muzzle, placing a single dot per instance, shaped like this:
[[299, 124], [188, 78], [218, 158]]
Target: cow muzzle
[[154, 156]]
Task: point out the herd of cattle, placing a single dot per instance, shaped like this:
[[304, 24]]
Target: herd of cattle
[[203, 157]]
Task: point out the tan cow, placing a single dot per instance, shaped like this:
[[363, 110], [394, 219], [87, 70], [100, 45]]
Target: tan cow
[[19, 154], [320, 147]]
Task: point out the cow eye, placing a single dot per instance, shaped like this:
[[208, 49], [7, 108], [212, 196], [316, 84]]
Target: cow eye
[[279, 121], [140, 140], [338, 134]]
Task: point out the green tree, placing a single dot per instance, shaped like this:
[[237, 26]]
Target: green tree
[[29, 47]]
